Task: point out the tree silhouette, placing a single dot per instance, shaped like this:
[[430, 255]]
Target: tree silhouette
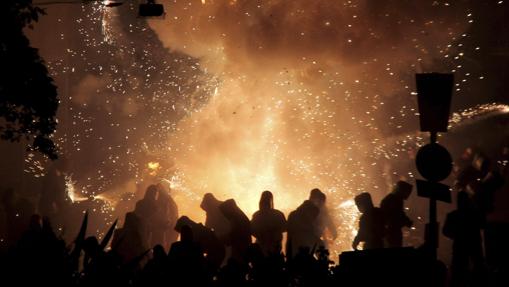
[[28, 97]]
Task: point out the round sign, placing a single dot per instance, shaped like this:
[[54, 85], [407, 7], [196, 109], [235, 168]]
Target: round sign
[[434, 162]]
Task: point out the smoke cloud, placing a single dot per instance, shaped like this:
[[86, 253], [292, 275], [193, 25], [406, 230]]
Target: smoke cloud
[[306, 93]]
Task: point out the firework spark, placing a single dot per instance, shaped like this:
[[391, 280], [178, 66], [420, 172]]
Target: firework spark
[[277, 96]]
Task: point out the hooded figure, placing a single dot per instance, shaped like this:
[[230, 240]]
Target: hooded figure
[[186, 261], [324, 220], [268, 225], [239, 237], [463, 226], [147, 211], [207, 239], [127, 241], [394, 213], [371, 223], [163, 232], [302, 228], [215, 219]]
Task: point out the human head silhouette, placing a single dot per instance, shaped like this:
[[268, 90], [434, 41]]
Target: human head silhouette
[[308, 210], [158, 252], [186, 234], [317, 197], [364, 202], [229, 208], [183, 221], [266, 200], [151, 193], [403, 189], [209, 202]]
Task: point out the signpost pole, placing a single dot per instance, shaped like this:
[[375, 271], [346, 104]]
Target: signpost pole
[[433, 161], [432, 228]]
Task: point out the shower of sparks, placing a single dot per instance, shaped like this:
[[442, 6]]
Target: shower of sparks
[[477, 113], [134, 112], [107, 28], [349, 217], [71, 190]]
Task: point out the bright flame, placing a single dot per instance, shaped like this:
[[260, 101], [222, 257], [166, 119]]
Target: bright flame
[[350, 215], [153, 167], [107, 28], [252, 137]]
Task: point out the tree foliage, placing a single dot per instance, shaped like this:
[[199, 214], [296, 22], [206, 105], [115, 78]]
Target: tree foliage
[[28, 97]]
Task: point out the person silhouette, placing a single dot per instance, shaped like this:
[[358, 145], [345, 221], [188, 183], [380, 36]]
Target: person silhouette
[[463, 226], [163, 232], [154, 272], [147, 210], [240, 229], [323, 221], [208, 241], [39, 257], [128, 241], [371, 223], [394, 213], [268, 225], [486, 188], [215, 220], [302, 229], [186, 260]]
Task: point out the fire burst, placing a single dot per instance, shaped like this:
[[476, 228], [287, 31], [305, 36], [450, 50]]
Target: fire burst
[[236, 115]]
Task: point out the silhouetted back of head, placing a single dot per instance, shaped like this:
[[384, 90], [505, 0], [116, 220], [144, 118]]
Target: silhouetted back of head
[[229, 208], [151, 193], [308, 209], [209, 201], [266, 200], [186, 234], [184, 221], [158, 252], [403, 189], [163, 188], [364, 202], [317, 197]]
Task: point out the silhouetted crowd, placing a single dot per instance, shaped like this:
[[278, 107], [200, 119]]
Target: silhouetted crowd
[[221, 252]]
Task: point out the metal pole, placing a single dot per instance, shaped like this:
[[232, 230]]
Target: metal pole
[[432, 228]]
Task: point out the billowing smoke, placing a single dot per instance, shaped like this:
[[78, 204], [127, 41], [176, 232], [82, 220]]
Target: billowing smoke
[[236, 97], [306, 93]]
